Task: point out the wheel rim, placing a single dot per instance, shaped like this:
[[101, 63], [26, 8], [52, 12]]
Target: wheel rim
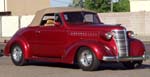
[[17, 53], [86, 58]]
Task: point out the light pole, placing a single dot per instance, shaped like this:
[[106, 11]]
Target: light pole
[[112, 4], [4, 6], [81, 3]]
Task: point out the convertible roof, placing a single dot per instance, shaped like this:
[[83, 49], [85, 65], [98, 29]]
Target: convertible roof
[[39, 14]]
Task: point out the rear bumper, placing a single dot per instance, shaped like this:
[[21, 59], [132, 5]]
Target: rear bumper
[[118, 59]]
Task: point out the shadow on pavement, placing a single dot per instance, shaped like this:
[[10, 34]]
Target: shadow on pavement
[[145, 66], [58, 65], [104, 66]]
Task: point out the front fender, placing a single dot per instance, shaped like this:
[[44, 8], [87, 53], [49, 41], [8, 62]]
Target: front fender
[[97, 48], [20, 41], [136, 47]]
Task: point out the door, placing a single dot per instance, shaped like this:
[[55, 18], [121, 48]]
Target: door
[[51, 38]]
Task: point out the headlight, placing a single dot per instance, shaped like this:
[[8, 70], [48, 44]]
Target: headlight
[[108, 35], [130, 34]]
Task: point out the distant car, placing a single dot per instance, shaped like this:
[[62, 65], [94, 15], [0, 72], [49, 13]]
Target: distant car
[[74, 36], [1, 53]]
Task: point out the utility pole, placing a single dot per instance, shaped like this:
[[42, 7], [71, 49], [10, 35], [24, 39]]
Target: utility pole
[[4, 5], [111, 6], [82, 3]]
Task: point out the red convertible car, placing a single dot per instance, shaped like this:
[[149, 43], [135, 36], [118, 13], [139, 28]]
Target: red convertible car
[[74, 36]]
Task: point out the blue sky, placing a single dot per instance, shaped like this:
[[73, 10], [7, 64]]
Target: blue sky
[[60, 3]]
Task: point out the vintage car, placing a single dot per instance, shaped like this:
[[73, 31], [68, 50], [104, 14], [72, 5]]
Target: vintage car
[[74, 36]]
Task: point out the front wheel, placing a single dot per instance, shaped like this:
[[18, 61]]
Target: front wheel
[[87, 60], [17, 55]]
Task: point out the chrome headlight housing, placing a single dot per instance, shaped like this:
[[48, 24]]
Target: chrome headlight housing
[[108, 35], [130, 34]]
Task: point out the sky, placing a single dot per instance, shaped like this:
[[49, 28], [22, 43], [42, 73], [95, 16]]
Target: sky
[[60, 3]]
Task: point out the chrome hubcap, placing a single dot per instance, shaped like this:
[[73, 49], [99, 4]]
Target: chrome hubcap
[[86, 58], [17, 54]]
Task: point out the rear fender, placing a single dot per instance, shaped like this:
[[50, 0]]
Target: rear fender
[[96, 47]]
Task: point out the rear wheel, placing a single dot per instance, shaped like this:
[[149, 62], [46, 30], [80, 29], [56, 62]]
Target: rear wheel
[[87, 60], [132, 64], [17, 55]]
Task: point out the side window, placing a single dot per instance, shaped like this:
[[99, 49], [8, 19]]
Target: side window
[[88, 18], [51, 19]]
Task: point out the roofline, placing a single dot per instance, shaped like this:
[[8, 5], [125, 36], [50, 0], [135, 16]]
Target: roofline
[[39, 14]]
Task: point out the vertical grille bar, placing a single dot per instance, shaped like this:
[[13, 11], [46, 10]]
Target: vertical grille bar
[[120, 38]]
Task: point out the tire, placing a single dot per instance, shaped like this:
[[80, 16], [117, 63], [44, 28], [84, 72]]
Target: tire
[[17, 55], [133, 64], [87, 60]]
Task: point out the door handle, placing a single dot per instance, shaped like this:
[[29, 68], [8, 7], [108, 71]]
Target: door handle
[[37, 32]]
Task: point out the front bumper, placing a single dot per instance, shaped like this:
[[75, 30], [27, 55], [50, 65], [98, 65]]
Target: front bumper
[[118, 59]]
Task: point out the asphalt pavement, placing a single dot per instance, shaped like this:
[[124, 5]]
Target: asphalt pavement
[[42, 69]]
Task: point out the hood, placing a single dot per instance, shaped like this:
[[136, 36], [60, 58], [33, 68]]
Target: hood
[[102, 27]]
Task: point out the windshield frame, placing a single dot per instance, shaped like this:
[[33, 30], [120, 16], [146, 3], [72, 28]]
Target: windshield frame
[[83, 13]]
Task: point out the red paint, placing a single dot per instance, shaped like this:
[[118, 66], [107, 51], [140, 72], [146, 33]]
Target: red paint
[[61, 43], [136, 47]]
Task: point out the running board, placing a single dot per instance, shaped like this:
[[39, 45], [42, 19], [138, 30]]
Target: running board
[[46, 59]]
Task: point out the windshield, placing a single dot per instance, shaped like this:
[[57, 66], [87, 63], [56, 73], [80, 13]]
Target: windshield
[[81, 18]]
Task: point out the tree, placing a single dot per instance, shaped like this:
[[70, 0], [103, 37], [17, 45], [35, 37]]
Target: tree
[[122, 6], [76, 3], [97, 5], [105, 5]]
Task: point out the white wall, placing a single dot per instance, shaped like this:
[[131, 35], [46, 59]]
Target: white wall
[[139, 5], [136, 21], [9, 25], [1, 5], [26, 20]]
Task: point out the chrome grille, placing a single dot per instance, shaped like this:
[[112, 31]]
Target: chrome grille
[[120, 38]]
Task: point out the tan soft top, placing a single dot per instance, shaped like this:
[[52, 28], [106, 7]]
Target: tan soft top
[[39, 14]]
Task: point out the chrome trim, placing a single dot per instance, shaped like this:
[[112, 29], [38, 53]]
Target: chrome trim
[[86, 58], [17, 53], [120, 38], [116, 58], [146, 56]]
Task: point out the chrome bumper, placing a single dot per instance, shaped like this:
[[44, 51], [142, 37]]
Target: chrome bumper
[[116, 58]]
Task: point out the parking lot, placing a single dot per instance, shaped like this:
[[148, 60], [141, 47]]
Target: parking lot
[[40, 69]]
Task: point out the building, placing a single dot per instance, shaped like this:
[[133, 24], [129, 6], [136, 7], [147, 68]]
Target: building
[[139, 5], [23, 7]]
